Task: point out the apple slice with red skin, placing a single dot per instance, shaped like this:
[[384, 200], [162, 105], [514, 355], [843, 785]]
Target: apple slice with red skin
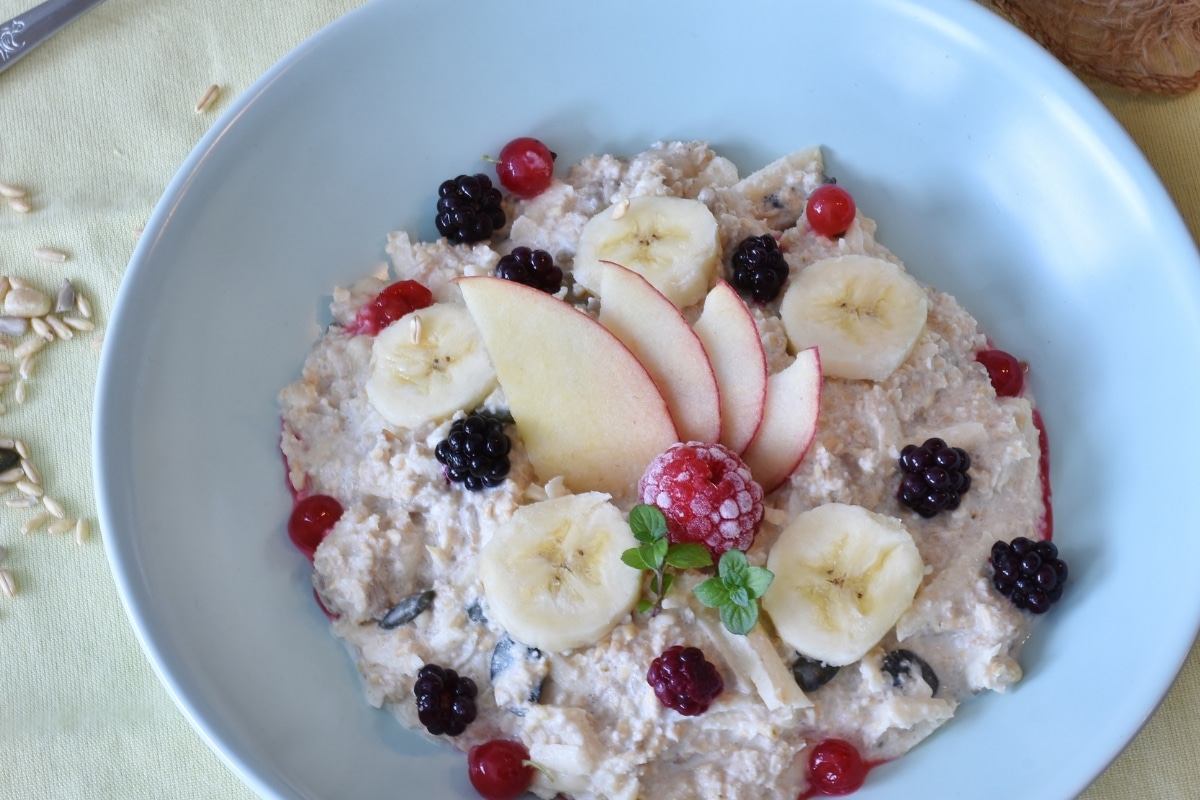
[[727, 330], [585, 407], [789, 422], [660, 337]]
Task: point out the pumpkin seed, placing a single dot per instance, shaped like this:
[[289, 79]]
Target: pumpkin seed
[[407, 609]]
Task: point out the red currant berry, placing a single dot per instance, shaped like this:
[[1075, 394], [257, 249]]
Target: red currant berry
[[836, 768], [526, 167], [499, 769], [1006, 372], [830, 210], [311, 520], [390, 305]]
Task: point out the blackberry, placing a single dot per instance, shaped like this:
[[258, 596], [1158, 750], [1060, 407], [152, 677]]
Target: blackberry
[[531, 267], [935, 477], [1028, 573], [445, 700], [759, 268], [683, 679], [475, 452], [468, 209]]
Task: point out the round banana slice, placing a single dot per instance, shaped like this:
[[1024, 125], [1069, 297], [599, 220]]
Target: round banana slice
[[427, 365], [843, 577], [553, 574], [670, 241], [864, 314]]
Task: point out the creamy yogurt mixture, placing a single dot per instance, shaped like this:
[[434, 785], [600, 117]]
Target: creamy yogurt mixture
[[588, 714]]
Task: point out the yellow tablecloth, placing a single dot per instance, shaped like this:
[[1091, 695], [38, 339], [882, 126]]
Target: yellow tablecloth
[[94, 124]]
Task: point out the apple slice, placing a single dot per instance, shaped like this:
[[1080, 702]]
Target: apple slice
[[789, 421], [660, 337], [730, 337], [586, 408]]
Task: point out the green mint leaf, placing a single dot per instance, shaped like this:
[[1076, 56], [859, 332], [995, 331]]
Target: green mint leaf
[[648, 523], [659, 548], [644, 606], [757, 581], [668, 581], [649, 556], [712, 593], [688, 556], [739, 619], [732, 567], [635, 558], [738, 596]]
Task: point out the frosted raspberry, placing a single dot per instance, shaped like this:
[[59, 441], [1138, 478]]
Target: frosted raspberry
[[707, 495], [683, 679]]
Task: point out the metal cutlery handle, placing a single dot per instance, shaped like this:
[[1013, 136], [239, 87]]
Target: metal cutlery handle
[[26, 31]]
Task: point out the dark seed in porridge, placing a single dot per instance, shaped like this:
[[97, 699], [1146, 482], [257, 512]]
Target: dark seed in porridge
[[900, 663], [468, 209], [475, 612], [811, 674], [508, 654], [475, 452], [445, 700], [407, 609]]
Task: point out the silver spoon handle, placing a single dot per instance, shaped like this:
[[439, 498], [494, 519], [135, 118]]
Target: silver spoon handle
[[26, 31]]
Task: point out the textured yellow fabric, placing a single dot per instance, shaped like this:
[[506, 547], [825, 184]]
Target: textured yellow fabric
[[94, 124]]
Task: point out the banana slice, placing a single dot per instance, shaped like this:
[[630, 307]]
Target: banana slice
[[553, 573], [864, 314], [427, 365], [843, 577], [670, 241]]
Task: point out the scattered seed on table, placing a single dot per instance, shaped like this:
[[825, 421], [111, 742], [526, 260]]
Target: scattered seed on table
[[24, 501], [54, 507], [35, 522], [65, 300], [42, 328], [49, 254], [19, 205], [21, 448], [81, 530], [19, 393], [31, 471], [12, 192], [80, 324], [27, 363], [61, 525], [28, 348], [83, 305], [12, 475], [30, 488], [210, 97], [8, 583], [60, 328], [17, 283], [13, 326]]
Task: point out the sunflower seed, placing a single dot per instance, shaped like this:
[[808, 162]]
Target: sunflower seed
[[35, 522], [27, 363], [54, 507], [28, 348], [16, 283], [61, 525], [60, 328], [49, 254], [12, 475], [210, 97], [19, 393], [81, 530], [7, 442], [65, 300], [80, 324], [12, 192], [407, 609], [24, 501], [83, 305], [19, 205], [42, 328], [31, 471], [8, 583], [26, 301], [22, 448], [30, 488]]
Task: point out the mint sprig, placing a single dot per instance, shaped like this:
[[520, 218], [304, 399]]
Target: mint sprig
[[735, 590], [655, 554]]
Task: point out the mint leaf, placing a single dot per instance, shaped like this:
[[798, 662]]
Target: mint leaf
[[739, 619], [647, 523], [644, 605], [659, 548], [712, 593], [688, 556], [738, 596], [668, 581], [635, 558], [757, 581], [732, 567]]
